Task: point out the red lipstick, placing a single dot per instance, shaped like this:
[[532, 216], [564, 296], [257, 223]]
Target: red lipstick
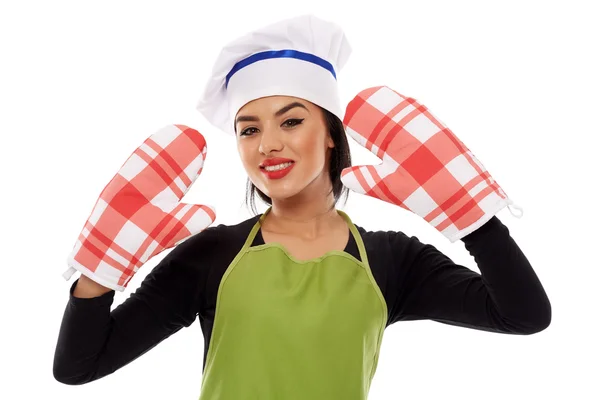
[[277, 174]]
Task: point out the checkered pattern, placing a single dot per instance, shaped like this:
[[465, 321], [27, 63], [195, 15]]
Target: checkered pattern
[[426, 169], [139, 213]]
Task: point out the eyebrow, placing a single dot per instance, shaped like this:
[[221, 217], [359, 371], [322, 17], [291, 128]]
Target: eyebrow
[[285, 109]]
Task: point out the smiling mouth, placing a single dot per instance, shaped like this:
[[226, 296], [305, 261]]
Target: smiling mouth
[[277, 171], [278, 167]]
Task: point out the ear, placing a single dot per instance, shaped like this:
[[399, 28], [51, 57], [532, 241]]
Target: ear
[[330, 143]]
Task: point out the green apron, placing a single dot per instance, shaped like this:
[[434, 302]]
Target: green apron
[[288, 329]]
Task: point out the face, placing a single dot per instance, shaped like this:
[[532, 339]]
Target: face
[[285, 146]]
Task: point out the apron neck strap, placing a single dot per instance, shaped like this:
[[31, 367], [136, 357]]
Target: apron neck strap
[[357, 238], [254, 230]]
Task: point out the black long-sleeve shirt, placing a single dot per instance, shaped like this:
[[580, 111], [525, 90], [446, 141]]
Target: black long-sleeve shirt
[[416, 280]]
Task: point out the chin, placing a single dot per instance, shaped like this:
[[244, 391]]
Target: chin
[[281, 191]]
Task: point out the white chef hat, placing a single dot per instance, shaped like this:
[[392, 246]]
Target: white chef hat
[[299, 57]]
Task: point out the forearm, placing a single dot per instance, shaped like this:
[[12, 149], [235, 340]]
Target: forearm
[[94, 341], [505, 297], [513, 286], [83, 334]]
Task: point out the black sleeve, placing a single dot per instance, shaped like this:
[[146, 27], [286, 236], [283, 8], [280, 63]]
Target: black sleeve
[[94, 342], [507, 297]]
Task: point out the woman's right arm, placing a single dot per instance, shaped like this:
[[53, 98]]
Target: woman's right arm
[[94, 342]]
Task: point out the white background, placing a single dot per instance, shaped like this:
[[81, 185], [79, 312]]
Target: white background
[[83, 83]]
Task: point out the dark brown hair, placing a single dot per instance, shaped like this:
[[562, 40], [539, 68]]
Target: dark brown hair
[[340, 159]]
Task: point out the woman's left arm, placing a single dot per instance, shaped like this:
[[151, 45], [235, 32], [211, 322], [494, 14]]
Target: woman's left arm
[[429, 171], [507, 297]]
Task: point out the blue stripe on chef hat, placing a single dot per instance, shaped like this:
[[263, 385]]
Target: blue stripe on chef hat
[[299, 55]]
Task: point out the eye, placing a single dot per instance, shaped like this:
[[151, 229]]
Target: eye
[[244, 132], [294, 122]]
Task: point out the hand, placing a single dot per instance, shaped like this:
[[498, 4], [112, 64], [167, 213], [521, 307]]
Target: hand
[[426, 169], [139, 213]]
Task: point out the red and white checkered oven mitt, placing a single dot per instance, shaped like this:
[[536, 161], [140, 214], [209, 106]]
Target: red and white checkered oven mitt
[[139, 213], [426, 169]]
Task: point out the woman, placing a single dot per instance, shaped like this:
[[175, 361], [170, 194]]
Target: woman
[[293, 302]]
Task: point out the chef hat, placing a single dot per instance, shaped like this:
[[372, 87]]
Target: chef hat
[[299, 57]]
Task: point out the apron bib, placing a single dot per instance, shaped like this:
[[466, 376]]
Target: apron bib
[[288, 329]]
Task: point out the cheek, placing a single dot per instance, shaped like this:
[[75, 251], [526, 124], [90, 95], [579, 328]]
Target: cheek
[[311, 148], [246, 154]]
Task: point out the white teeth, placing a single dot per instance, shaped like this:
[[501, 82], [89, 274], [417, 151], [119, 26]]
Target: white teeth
[[278, 166]]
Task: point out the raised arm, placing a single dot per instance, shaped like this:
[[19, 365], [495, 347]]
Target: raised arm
[[94, 342], [507, 297]]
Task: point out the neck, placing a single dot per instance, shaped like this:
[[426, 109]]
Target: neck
[[308, 215]]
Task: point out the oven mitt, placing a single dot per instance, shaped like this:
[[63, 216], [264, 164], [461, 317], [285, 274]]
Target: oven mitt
[[426, 169], [139, 213]]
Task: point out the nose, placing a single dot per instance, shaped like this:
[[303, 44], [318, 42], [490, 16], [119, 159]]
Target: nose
[[270, 140]]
